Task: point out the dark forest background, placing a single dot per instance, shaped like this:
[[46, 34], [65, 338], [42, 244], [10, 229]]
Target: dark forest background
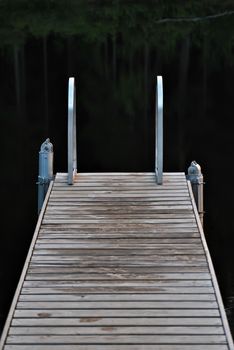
[[115, 50]]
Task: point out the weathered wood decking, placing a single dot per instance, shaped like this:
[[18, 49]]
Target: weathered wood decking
[[118, 262]]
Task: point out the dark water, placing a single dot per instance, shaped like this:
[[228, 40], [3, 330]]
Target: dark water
[[115, 50]]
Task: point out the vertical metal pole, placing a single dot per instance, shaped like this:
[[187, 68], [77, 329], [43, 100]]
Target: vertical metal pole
[[46, 156], [196, 178], [71, 136], [159, 132]]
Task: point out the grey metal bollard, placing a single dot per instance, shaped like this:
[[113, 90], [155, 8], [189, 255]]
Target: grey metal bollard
[[46, 157], [196, 178]]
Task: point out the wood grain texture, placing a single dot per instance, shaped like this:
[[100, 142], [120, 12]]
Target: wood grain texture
[[117, 321], [117, 297], [119, 263], [116, 339], [132, 330]]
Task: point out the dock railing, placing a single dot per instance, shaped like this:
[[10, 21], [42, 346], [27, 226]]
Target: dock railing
[[71, 137], [159, 131]]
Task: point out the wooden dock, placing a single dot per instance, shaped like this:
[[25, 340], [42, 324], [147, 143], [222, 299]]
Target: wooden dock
[[118, 262]]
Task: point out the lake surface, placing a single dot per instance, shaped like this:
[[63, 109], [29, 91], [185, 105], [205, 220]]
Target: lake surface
[[115, 50]]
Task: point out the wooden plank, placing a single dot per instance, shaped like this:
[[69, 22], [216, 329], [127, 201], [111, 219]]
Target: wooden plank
[[117, 222], [119, 186], [117, 347], [115, 225], [76, 192], [116, 216], [127, 204], [125, 260], [114, 181], [135, 207], [117, 252], [68, 269], [109, 180], [115, 184], [136, 330], [47, 240], [119, 175], [117, 339], [114, 244], [103, 263], [118, 196], [118, 321], [122, 212], [123, 209], [60, 275], [109, 223], [21, 313], [123, 181], [133, 199], [120, 283], [117, 305], [120, 244], [141, 229], [92, 235], [116, 297], [120, 232], [116, 263], [117, 290]]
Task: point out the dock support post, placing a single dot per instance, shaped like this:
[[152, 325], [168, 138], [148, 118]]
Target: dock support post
[[196, 178], [46, 157]]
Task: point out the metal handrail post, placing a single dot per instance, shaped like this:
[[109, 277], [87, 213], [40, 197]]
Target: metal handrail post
[[159, 131], [71, 137]]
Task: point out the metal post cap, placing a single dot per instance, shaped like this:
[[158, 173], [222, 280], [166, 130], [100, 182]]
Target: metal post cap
[[194, 169], [47, 146]]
